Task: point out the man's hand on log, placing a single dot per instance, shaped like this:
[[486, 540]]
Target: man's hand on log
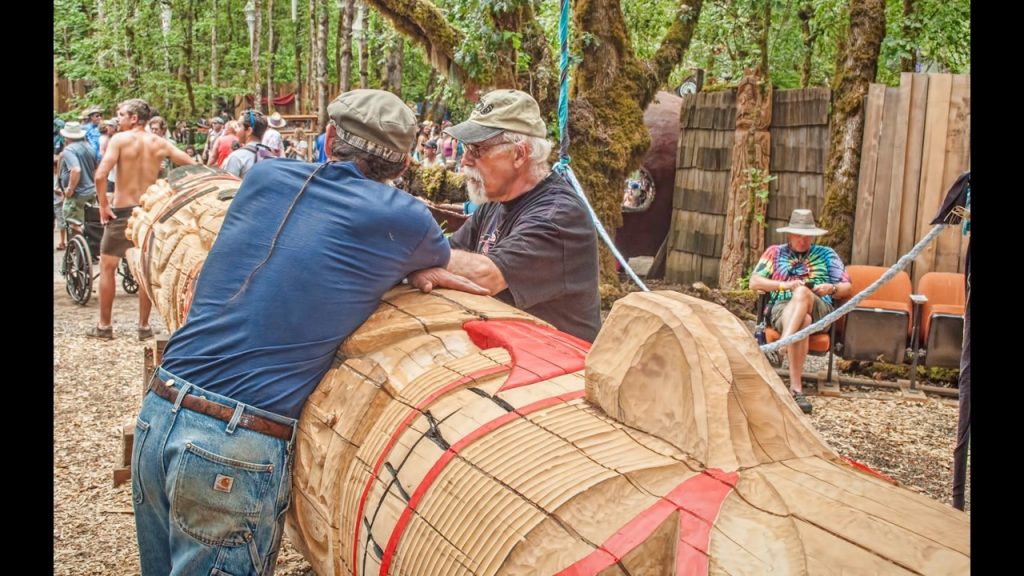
[[429, 278]]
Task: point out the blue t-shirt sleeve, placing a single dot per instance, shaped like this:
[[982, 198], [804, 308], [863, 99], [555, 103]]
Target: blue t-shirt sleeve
[[432, 250]]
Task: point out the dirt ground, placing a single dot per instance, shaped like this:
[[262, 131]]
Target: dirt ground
[[98, 387]]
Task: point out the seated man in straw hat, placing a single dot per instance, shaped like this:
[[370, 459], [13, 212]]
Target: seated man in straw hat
[[802, 278]]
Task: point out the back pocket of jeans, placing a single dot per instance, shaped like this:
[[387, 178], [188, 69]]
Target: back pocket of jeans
[[218, 500]]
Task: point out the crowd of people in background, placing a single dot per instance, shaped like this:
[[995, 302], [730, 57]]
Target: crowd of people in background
[[233, 145]]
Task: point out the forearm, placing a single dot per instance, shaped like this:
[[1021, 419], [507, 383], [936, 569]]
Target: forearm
[[73, 179], [101, 191], [763, 284], [477, 268]]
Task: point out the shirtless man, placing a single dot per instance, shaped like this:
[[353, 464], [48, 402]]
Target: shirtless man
[[137, 155]]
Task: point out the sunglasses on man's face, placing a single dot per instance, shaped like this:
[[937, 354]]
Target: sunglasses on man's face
[[476, 150]]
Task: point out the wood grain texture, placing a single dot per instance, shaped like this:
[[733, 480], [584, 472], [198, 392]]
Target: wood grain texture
[[675, 446]]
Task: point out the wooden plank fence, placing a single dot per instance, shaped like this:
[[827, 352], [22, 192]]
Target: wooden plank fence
[[707, 123], [799, 140], [916, 143]]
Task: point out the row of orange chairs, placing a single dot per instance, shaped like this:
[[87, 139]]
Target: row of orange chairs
[[883, 326]]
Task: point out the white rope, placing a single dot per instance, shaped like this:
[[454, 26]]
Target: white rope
[[842, 310], [566, 171]]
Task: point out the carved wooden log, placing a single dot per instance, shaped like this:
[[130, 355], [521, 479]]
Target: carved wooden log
[[462, 436]]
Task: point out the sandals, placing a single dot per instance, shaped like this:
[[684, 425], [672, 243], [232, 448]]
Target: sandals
[[61, 247], [801, 402], [101, 333], [145, 334]]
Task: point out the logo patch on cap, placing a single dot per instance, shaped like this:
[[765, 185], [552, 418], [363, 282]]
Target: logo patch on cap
[[223, 483]]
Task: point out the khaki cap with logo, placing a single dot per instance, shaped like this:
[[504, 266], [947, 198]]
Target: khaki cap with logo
[[374, 121], [500, 111]]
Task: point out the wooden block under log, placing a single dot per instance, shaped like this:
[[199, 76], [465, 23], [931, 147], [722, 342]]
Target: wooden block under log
[[152, 355], [123, 472], [122, 475]]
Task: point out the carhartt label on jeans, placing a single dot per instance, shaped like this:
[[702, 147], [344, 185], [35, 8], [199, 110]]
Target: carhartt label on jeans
[[223, 483]]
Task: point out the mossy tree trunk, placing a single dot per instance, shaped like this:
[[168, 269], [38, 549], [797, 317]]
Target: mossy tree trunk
[[856, 65], [743, 239], [610, 89]]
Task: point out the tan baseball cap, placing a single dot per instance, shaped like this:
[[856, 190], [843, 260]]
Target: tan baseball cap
[[500, 111], [374, 121]]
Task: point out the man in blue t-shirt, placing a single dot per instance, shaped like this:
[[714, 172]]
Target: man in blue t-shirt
[[302, 259], [319, 152], [93, 115]]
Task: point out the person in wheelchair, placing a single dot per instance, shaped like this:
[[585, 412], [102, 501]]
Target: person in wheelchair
[[77, 167], [802, 278], [138, 157]]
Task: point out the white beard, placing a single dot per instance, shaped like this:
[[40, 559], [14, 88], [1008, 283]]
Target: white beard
[[474, 185]]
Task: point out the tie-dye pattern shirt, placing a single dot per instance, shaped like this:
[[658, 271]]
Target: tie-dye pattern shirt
[[820, 265]]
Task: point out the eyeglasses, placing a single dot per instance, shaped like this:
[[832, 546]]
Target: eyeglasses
[[476, 150]]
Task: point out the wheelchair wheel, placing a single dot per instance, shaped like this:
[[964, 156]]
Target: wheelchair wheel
[[128, 281], [78, 270]]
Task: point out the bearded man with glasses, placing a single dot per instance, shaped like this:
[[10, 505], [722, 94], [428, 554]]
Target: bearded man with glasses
[[531, 242]]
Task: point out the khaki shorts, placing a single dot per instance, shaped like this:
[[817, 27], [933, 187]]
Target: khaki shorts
[[820, 310], [114, 242], [74, 207]]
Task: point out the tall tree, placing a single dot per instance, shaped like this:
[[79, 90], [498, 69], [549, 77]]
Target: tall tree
[[393, 73], [256, 35], [345, 67], [187, 48], [313, 55], [856, 66], [364, 46], [271, 49], [611, 87], [321, 64], [909, 60], [805, 14], [297, 29], [213, 56]]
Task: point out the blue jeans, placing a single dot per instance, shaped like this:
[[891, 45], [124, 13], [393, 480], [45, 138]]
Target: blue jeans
[[209, 496]]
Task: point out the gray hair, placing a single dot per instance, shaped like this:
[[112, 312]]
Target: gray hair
[[540, 150]]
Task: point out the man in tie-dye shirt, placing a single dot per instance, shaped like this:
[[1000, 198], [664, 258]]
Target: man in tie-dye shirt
[[802, 278]]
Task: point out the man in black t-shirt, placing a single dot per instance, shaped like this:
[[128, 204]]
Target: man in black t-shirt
[[531, 242]]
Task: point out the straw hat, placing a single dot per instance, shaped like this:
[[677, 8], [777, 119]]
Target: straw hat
[[801, 222]]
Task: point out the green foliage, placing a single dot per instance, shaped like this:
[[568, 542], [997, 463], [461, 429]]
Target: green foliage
[[756, 183], [939, 32], [129, 40]]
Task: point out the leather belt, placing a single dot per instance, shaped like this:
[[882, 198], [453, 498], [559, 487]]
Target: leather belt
[[220, 411]]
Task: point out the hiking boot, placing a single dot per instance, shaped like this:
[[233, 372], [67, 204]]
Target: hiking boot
[[101, 333], [801, 402]]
